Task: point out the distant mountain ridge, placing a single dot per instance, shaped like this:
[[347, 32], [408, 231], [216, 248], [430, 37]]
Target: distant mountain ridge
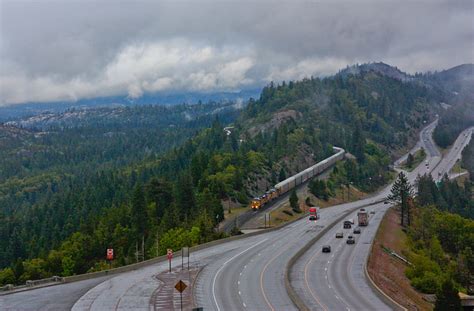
[[457, 83], [379, 67], [11, 112]]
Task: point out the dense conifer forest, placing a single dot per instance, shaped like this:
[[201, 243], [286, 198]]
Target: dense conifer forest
[[70, 190]]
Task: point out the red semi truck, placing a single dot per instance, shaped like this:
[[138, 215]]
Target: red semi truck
[[313, 213]]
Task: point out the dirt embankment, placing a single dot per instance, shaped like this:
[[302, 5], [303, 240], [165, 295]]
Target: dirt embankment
[[388, 272]]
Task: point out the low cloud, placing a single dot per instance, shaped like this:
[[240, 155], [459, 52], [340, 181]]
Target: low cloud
[[57, 50]]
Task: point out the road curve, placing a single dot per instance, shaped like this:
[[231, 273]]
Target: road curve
[[255, 279], [337, 281]]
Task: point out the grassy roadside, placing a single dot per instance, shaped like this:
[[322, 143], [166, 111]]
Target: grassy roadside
[[284, 213], [389, 273], [418, 157]]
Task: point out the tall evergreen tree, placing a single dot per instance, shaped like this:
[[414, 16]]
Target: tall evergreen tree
[[138, 212], [358, 142], [410, 160], [160, 192], [282, 175], [294, 201], [402, 194]]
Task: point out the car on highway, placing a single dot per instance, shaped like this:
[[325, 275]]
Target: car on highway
[[385, 202], [313, 218], [356, 230], [326, 248], [372, 212], [339, 235], [350, 240], [347, 224]]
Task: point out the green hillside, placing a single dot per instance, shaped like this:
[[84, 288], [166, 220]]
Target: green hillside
[[65, 219]]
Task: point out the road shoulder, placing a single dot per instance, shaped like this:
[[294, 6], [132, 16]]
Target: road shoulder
[[387, 272]]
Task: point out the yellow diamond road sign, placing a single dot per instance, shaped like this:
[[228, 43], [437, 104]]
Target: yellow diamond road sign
[[180, 286]]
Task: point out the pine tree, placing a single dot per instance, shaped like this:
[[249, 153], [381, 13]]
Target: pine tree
[[294, 201], [402, 193], [138, 213], [160, 192], [410, 160], [358, 143], [282, 175]]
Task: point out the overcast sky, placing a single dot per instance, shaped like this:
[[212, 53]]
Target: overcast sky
[[60, 50]]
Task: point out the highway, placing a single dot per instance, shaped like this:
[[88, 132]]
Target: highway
[[337, 280], [241, 274], [253, 278], [454, 154]]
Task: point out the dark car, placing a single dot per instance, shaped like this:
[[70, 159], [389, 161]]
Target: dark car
[[356, 231], [339, 235], [372, 212], [386, 202], [313, 218], [350, 240], [326, 249], [347, 224]]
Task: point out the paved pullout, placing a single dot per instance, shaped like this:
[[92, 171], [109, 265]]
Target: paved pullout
[[337, 281]]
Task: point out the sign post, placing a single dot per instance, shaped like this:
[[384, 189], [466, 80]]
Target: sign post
[[180, 287], [169, 254], [184, 253], [110, 256]]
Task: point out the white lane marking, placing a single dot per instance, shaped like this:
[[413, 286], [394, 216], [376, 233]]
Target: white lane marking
[[245, 306], [240, 294], [238, 282], [222, 267]]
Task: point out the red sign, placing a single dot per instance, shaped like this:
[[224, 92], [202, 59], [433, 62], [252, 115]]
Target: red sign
[[169, 253], [110, 254]]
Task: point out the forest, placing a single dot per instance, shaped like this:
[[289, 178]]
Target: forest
[[132, 182], [440, 237], [452, 123]]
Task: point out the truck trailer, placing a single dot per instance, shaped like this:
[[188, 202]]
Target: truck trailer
[[363, 217]]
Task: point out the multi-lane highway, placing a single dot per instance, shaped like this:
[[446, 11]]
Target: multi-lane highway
[[254, 278], [337, 280], [248, 273], [453, 155]]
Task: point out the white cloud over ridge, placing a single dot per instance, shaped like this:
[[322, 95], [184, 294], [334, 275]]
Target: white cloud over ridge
[[175, 65], [58, 50]]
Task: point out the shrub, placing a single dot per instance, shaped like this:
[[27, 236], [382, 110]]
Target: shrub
[[429, 283]]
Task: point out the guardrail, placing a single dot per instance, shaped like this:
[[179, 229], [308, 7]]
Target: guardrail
[[10, 289], [377, 290], [299, 303]]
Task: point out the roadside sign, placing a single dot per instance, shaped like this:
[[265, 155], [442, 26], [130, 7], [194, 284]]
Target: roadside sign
[[180, 286], [110, 254], [169, 254], [185, 251]]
